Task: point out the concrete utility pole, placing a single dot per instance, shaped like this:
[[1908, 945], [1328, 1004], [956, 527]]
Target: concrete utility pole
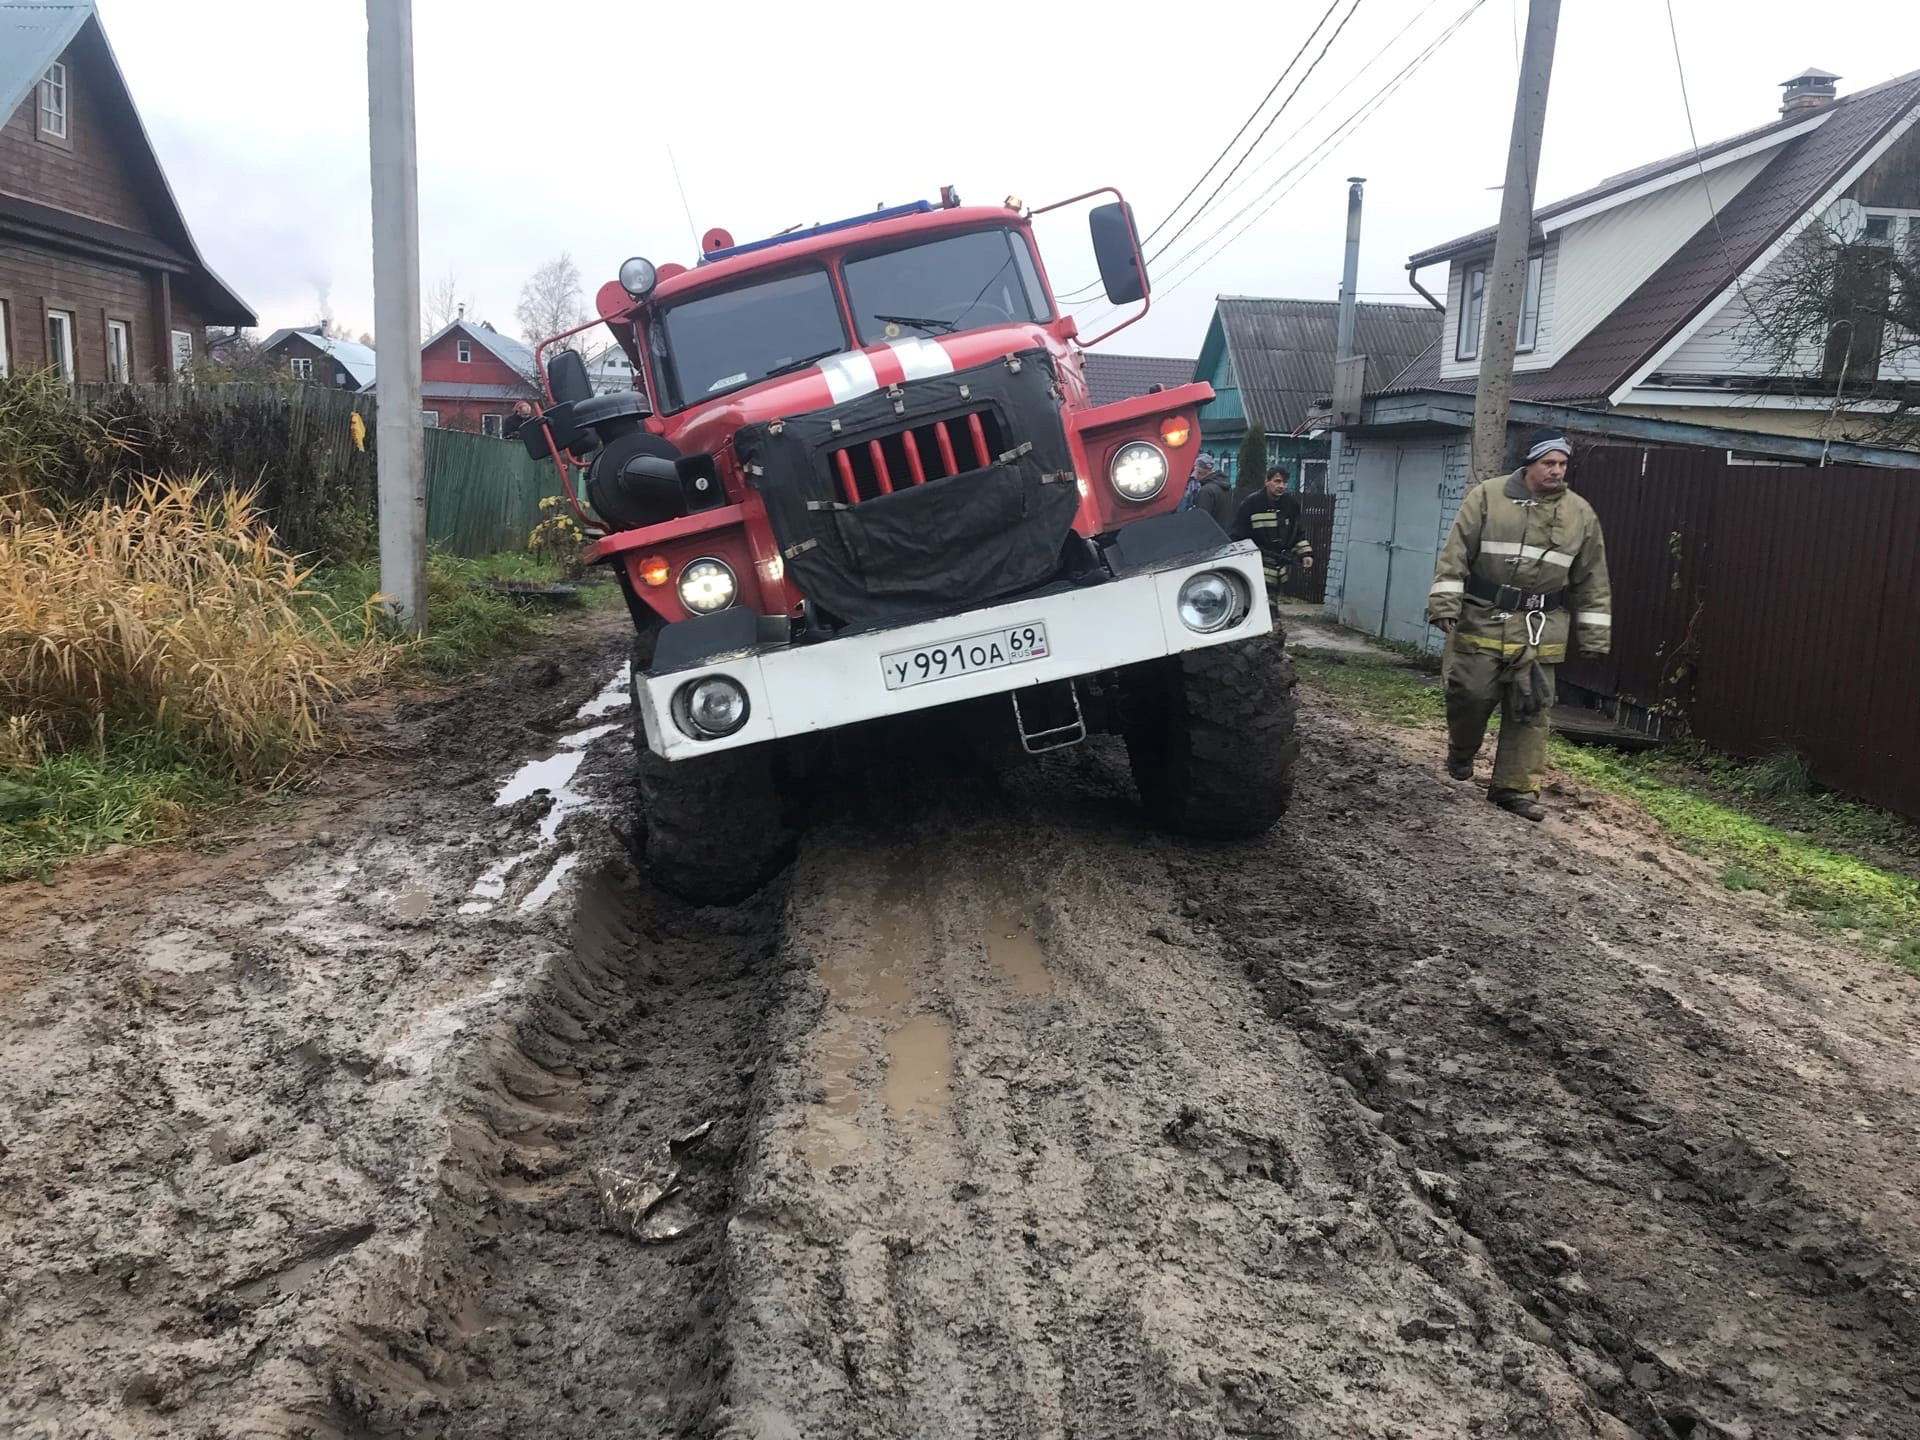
[[1343, 327], [396, 309], [1507, 275]]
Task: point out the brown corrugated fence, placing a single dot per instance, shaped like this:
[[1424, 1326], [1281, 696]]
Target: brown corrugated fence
[[1766, 609], [1316, 523]]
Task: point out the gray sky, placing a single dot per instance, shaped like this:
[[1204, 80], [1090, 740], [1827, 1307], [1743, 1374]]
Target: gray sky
[[544, 127]]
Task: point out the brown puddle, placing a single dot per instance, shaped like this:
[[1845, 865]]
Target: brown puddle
[[412, 904], [919, 1068], [1016, 956]]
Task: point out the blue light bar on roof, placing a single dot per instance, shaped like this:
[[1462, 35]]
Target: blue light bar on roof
[[918, 207]]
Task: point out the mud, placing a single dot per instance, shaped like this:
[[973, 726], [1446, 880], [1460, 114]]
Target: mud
[[999, 1115]]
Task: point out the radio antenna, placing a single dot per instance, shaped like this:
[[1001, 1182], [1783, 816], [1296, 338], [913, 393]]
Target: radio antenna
[[692, 233]]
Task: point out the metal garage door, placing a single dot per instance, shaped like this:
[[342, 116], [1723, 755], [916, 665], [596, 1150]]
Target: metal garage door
[[1394, 536]]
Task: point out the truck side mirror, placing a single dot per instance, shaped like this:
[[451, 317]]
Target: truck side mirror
[[567, 377], [1122, 271]]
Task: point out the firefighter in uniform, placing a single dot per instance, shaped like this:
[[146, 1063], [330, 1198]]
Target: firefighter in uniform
[[1271, 519], [1524, 570]]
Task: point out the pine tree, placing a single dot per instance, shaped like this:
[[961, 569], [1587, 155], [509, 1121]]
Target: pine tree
[[1253, 459]]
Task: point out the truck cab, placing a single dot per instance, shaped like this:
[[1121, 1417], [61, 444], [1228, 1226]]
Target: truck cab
[[860, 475]]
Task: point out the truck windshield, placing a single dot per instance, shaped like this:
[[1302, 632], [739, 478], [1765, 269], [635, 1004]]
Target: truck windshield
[[716, 343], [958, 282]]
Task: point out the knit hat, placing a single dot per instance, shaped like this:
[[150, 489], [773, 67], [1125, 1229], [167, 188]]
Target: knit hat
[[1205, 461], [1545, 441]]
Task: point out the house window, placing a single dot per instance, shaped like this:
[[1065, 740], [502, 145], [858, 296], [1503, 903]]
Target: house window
[[301, 366], [1473, 306], [119, 352], [53, 103], [1879, 230], [1530, 304], [60, 343], [466, 352], [494, 425], [182, 352], [430, 419], [5, 316]]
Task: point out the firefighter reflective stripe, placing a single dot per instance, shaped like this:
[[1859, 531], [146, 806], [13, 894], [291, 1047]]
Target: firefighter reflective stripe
[[1448, 587], [1507, 649], [1593, 617], [1265, 520], [1526, 552]]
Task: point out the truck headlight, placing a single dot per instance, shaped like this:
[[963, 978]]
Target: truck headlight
[[1138, 470], [707, 585], [710, 708], [1212, 600], [637, 277]]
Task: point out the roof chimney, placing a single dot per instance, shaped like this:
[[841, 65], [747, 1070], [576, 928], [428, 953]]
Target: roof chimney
[[1807, 91], [463, 313]]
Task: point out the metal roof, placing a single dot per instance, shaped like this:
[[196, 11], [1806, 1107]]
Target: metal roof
[[1282, 350], [31, 38], [1703, 269], [504, 348], [472, 390], [356, 359], [1122, 377]]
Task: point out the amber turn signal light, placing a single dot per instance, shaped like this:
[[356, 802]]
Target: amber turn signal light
[[1174, 432], [654, 570]]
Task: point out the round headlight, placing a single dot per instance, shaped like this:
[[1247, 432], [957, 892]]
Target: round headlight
[[1138, 470], [637, 277], [707, 586], [1212, 600], [711, 708]]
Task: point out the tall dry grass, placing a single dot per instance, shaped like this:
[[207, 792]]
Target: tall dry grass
[[170, 612]]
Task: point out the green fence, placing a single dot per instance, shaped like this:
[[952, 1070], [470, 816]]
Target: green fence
[[483, 495], [295, 444]]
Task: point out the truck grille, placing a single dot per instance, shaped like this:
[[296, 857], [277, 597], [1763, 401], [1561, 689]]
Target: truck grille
[[912, 457]]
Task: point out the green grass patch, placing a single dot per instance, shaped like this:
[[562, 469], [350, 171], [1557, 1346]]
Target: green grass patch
[[467, 626], [1375, 685], [1848, 868], [1839, 892], [134, 790]]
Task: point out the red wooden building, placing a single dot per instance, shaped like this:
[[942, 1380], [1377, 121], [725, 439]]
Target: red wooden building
[[99, 276], [470, 375]]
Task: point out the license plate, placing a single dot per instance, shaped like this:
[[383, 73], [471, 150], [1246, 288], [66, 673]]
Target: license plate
[[991, 651]]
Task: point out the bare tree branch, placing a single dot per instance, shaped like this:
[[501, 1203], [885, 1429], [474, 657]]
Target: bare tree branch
[[551, 301], [442, 302]]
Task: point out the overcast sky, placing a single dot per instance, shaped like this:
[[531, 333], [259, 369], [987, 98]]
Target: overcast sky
[[546, 127]]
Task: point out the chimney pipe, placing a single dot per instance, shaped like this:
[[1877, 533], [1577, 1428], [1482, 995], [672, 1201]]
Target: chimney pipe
[[1808, 91]]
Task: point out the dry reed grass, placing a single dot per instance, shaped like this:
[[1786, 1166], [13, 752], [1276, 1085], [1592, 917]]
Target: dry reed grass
[[170, 612]]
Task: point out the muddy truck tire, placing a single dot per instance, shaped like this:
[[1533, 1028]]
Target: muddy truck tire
[[1210, 736], [712, 830]]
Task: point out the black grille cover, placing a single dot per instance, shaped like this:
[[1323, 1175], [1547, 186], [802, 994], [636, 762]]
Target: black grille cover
[[965, 539]]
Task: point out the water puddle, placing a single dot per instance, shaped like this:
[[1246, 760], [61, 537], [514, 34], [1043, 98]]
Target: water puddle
[[919, 1070], [412, 904], [1016, 956], [554, 774]]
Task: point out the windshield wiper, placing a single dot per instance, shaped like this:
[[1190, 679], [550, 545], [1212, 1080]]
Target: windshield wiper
[[785, 366], [945, 327]]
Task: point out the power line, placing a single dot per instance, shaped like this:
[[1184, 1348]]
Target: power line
[[1310, 161], [1252, 115], [1167, 244]]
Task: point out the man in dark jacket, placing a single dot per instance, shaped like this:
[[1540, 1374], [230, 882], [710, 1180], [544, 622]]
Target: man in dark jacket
[[1271, 519], [1211, 493]]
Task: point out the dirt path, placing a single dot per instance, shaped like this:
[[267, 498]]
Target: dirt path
[[1411, 1121]]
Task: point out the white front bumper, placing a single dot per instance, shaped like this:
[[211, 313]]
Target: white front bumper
[[793, 690]]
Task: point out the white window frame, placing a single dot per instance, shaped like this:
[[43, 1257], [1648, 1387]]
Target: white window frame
[[1473, 312], [6, 316], [430, 419], [301, 366], [1528, 335], [119, 351], [182, 352], [463, 349], [68, 362], [53, 106], [494, 426]]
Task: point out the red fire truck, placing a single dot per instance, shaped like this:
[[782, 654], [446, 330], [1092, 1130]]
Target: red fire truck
[[859, 474]]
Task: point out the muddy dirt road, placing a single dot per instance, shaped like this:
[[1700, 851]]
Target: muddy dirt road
[[997, 1116]]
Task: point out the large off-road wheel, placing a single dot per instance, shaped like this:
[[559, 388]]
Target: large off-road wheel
[[713, 828], [1211, 738]]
